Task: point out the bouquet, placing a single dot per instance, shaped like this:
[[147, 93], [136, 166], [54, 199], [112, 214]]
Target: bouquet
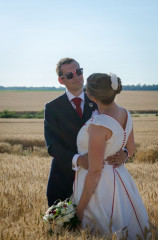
[[61, 215]]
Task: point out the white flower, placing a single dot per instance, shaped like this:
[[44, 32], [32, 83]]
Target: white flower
[[51, 215], [59, 222], [63, 210], [71, 215], [46, 218], [114, 81], [49, 209], [60, 204], [66, 218], [60, 213], [91, 104], [70, 208]]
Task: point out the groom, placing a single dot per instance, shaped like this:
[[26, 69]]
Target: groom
[[64, 117]]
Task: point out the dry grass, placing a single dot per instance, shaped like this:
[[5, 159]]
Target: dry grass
[[24, 167], [25, 136], [138, 100], [149, 154], [24, 172], [26, 101], [23, 187], [22, 197], [146, 130], [35, 101], [22, 131], [146, 138]]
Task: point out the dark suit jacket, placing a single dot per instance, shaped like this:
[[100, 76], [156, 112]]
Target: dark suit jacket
[[61, 126]]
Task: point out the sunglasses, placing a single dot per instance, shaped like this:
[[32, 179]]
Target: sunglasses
[[70, 75]]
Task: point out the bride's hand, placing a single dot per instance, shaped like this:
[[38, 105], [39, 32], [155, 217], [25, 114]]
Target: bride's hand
[[79, 214]]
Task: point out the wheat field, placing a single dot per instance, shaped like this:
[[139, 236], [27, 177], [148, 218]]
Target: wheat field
[[22, 197], [24, 170], [35, 101], [25, 164], [30, 132]]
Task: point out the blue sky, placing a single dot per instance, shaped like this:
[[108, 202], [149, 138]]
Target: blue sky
[[118, 36]]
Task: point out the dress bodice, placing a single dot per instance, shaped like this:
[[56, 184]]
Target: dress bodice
[[119, 135]]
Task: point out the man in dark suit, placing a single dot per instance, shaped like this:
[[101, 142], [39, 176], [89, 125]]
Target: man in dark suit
[[64, 117]]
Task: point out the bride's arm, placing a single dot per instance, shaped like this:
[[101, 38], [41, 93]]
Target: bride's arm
[[96, 149]]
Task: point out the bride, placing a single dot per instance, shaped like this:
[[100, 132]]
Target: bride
[[107, 197]]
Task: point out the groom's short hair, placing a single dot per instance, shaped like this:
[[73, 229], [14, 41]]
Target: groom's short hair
[[61, 63]]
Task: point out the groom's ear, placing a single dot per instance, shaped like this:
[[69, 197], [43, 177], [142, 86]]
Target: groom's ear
[[60, 80]]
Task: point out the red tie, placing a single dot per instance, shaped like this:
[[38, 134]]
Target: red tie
[[77, 102]]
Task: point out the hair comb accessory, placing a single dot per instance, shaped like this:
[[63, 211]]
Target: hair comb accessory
[[114, 81]]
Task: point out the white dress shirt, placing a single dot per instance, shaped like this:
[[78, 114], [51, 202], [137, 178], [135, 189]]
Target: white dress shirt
[[70, 97]]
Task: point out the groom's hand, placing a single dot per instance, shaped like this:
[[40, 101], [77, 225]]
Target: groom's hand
[[118, 159], [83, 161]]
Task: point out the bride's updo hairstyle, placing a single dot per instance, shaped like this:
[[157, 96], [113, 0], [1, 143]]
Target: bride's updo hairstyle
[[103, 87]]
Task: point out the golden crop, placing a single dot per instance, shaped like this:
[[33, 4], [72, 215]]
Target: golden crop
[[22, 197], [24, 170], [27, 135], [24, 166], [35, 101]]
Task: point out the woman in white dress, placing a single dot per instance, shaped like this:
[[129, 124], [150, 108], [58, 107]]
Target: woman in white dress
[[107, 197]]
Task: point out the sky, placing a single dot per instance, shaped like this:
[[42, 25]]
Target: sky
[[118, 36]]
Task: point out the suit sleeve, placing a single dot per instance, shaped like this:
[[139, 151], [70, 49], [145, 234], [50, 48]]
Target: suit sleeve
[[53, 141]]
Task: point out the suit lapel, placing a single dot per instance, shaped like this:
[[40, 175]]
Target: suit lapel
[[89, 107], [69, 108]]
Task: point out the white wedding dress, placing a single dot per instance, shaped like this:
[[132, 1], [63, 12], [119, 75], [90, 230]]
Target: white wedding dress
[[116, 196]]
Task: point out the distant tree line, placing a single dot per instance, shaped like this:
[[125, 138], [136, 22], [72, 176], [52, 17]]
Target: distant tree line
[[137, 87], [33, 88]]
